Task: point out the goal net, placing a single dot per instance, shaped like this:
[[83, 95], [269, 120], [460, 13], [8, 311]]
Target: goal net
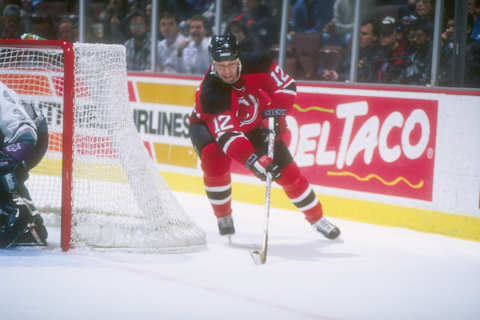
[[97, 174]]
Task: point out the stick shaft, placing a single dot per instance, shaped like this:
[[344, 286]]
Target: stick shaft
[[270, 147]]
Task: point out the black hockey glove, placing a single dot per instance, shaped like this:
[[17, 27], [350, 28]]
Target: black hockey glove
[[280, 125], [261, 164]]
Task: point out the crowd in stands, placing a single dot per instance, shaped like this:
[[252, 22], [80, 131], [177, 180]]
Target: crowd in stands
[[395, 40]]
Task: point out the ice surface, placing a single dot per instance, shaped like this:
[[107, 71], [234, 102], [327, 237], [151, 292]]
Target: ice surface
[[370, 272]]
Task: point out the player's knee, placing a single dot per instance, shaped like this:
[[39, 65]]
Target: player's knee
[[290, 174], [213, 161]]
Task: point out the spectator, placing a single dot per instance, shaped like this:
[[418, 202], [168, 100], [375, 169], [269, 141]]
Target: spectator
[[474, 13], [447, 35], [230, 10], [240, 31], [148, 13], [417, 65], [138, 46], [446, 75], [424, 10], [185, 9], [258, 20], [339, 30], [472, 51], [168, 50], [67, 30], [368, 53], [411, 5], [96, 33], [26, 10], [196, 57], [115, 21], [11, 26], [390, 62], [472, 65], [311, 16], [42, 25]]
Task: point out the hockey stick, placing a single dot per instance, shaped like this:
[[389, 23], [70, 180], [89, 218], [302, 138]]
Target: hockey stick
[[260, 257]]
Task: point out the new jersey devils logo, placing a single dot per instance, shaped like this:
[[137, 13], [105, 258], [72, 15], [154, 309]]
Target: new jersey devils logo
[[248, 109]]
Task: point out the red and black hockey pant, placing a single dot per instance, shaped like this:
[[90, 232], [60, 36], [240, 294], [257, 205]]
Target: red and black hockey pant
[[216, 172]]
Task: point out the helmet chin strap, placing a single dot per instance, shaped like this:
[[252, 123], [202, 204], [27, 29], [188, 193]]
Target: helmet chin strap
[[239, 73], [239, 69], [213, 71]]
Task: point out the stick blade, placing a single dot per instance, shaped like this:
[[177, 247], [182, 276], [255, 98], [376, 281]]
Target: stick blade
[[259, 257]]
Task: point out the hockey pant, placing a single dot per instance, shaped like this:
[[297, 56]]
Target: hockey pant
[[217, 180]]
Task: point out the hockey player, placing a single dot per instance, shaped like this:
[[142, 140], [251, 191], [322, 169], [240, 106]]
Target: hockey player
[[235, 96], [23, 143]]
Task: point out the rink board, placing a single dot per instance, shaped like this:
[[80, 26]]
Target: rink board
[[383, 155], [406, 157]]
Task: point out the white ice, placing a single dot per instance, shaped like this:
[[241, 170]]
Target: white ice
[[371, 272]]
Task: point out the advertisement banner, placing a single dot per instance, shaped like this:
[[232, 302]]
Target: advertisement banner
[[372, 144], [382, 145]]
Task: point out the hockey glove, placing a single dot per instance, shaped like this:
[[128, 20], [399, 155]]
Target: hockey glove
[[279, 114], [261, 165]]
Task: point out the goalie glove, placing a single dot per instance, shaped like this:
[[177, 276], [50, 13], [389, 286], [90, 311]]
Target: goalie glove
[[280, 124], [260, 165]]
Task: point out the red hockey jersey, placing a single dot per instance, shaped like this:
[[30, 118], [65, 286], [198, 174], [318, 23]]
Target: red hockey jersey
[[230, 111]]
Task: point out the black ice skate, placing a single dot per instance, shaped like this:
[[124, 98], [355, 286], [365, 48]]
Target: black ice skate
[[225, 225], [326, 228]]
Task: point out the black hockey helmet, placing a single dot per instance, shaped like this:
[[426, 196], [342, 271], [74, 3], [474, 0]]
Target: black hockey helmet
[[224, 47]]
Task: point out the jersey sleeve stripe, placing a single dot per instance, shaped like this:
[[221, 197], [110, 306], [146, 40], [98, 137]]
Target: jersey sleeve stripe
[[286, 91], [290, 84]]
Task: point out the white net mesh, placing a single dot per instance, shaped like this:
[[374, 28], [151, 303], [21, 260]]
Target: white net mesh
[[119, 198]]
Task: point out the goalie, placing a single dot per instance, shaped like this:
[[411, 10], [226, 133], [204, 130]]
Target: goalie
[[23, 143], [234, 98]]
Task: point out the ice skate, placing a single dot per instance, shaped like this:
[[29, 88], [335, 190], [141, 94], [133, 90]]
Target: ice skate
[[326, 228], [225, 225]]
